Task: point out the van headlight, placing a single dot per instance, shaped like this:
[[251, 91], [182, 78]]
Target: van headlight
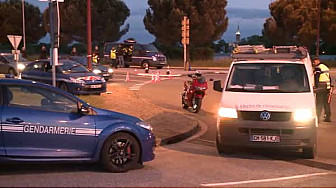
[[144, 125], [154, 58], [110, 70], [21, 66], [303, 115], [228, 112]]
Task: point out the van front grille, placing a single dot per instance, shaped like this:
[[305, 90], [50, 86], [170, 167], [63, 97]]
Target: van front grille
[[275, 116]]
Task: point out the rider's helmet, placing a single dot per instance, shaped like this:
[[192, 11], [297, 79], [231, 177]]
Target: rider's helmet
[[198, 73]]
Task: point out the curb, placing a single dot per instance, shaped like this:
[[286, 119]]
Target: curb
[[179, 137]]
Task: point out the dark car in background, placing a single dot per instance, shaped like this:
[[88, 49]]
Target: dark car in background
[[8, 64], [143, 54], [70, 76], [105, 72]]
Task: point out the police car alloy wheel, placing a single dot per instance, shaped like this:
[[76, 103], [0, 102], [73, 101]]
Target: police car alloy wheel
[[120, 153]]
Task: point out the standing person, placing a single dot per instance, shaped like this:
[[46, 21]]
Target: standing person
[[73, 51], [43, 54], [95, 56], [323, 84], [120, 55], [113, 56]]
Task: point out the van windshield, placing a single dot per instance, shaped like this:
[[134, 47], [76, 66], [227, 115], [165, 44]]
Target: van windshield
[[268, 78]]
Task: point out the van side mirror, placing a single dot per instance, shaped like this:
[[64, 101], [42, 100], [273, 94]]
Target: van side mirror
[[211, 79], [217, 86]]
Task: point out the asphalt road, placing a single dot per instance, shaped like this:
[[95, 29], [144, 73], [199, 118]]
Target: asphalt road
[[194, 163]]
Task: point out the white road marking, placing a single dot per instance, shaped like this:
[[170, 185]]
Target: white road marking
[[208, 141], [267, 180], [176, 75]]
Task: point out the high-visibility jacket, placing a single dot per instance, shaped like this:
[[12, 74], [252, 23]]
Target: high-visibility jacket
[[95, 58], [324, 75], [113, 54]]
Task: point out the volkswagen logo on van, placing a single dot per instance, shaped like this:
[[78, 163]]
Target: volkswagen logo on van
[[265, 115]]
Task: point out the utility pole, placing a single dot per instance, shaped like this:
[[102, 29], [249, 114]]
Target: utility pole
[[23, 26], [185, 41], [318, 28], [89, 46]]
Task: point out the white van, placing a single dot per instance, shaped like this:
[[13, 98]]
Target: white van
[[268, 101]]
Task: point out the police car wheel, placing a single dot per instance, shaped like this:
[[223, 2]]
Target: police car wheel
[[120, 153]]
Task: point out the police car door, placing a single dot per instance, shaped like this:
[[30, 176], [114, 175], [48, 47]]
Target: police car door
[[2, 147], [40, 122]]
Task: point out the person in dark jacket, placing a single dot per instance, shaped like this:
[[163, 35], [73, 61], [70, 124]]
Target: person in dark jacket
[[43, 54]]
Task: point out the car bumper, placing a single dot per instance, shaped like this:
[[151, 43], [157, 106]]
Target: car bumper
[[106, 76], [157, 63], [235, 132], [148, 147], [79, 89]]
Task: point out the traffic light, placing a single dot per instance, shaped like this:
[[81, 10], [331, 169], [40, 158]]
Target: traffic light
[[185, 31]]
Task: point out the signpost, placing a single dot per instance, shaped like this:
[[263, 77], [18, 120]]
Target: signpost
[[15, 41], [185, 41], [54, 19]]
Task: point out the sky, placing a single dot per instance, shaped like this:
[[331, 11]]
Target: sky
[[249, 14]]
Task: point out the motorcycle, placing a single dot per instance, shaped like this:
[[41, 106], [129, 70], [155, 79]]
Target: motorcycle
[[194, 92]]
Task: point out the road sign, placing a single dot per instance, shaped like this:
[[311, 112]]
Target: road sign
[[15, 40]]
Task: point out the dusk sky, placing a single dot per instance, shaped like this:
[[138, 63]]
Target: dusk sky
[[249, 14]]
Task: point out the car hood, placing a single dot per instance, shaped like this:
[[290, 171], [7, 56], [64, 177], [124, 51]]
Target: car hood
[[100, 67], [84, 75], [117, 115]]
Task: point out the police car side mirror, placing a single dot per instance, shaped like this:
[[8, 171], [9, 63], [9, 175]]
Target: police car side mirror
[[84, 110], [217, 86]]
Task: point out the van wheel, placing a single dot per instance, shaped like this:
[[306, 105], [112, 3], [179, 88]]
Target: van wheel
[[309, 153], [223, 149], [144, 64], [120, 153]]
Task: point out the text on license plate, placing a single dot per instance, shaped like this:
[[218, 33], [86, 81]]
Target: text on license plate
[[264, 138], [95, 86]]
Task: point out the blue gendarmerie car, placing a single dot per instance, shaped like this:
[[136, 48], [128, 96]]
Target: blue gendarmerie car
[[43, 123], [70, 76]]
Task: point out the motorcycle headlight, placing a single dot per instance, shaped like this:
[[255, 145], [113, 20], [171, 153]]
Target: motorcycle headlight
[[144, 125], [303, 115], [21, 66], [96, 71], [110, 70], [228, 113], [154, 58]]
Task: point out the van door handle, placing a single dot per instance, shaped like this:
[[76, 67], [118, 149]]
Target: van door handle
[[14, 120]]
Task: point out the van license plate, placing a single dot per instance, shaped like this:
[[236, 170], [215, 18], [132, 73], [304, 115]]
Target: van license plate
[[95, 86], [264, 138]]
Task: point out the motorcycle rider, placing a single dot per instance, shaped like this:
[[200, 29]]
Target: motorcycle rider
[[198, 76]]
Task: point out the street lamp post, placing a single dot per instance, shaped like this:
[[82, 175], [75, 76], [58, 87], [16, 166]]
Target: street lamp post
[[23, 26], [89, 47], [318, 28]]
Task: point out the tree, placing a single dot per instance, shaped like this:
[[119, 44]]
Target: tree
[[11, 21], [295, 22], [108, 16], [208, 20]]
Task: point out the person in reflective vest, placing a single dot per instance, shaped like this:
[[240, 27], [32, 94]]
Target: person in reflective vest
[[113, 56], [323, 86], [95, 56]]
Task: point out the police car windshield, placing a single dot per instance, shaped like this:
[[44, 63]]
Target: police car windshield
[[72, 67], [268, 78], [150, 48]]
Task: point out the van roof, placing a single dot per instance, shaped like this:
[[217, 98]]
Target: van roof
[[259, 52], [271, 61]]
